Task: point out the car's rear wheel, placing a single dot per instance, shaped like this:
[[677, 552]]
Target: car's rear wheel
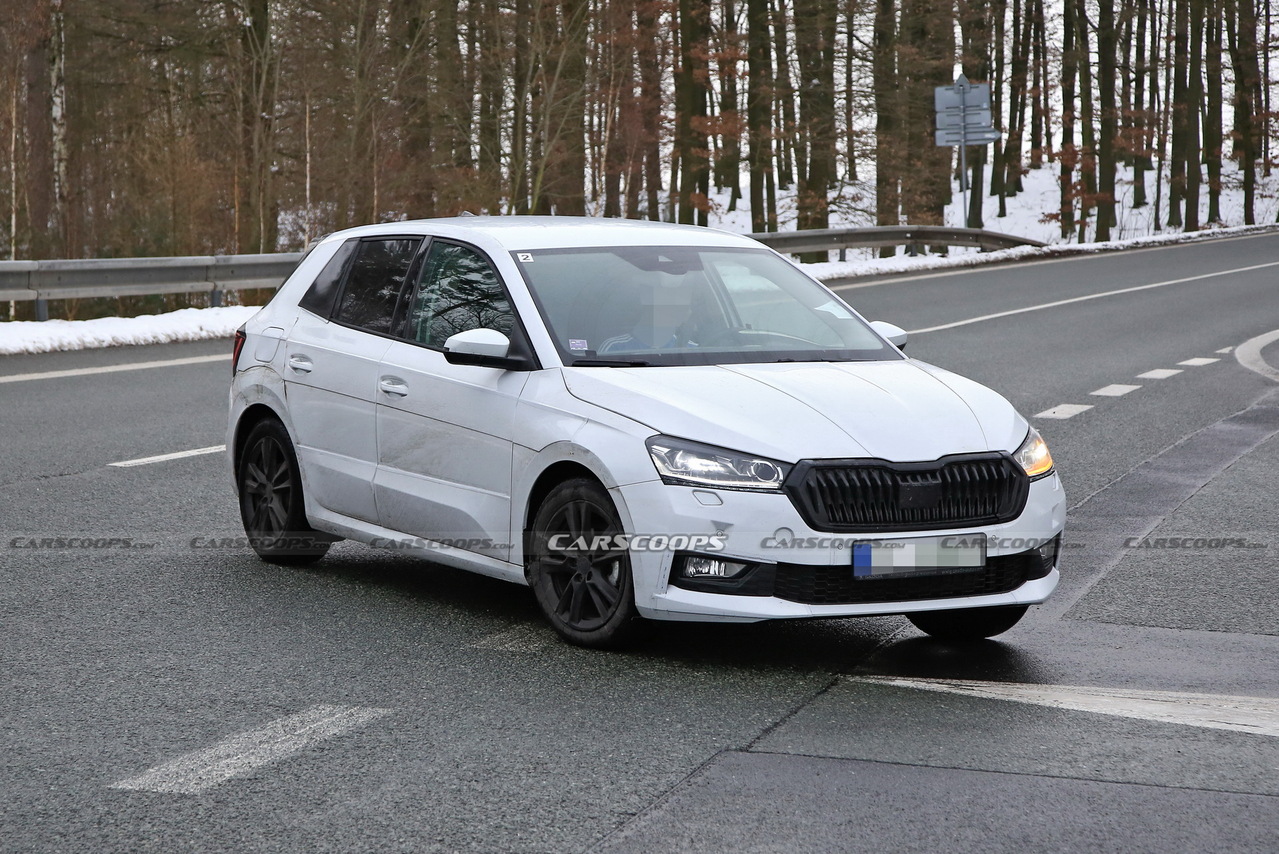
[[581, 580], [271, 503], [967, 623]]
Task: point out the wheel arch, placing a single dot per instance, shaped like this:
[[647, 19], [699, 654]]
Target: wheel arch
[[254, 415]]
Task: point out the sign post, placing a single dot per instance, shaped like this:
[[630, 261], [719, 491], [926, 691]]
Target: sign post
[[963, 119]]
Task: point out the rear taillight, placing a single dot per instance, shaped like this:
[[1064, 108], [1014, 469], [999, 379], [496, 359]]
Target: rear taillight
[[235, 354]]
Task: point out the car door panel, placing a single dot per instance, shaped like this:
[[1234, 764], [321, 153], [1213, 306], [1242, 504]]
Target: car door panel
[[444, 430]]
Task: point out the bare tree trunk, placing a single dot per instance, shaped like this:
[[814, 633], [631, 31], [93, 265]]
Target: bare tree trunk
[[1069, 152], [690, 111], [1179, 108], [650, 103], [887, 109], [759, 101], [1194, 98], [974, 18], [1088, 153], [39, 153], [1213, 111], [729, 164], [792, 157], [1139, 141], [1106, 161], [815, 46]]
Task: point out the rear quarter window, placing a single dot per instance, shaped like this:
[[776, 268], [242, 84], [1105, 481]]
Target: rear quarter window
[[319, 298]]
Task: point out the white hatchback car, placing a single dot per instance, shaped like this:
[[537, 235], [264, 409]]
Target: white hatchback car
[[636, 420]]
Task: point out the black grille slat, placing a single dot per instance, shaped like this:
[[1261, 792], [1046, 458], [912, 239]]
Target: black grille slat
[[869, 495]]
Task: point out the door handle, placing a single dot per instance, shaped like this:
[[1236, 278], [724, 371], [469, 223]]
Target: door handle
[[301, 364], [393, 386]]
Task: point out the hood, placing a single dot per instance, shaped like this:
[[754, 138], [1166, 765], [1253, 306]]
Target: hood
[[902, 411]]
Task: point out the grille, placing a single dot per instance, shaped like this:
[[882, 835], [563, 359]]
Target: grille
[[876, 495], [835, 585]]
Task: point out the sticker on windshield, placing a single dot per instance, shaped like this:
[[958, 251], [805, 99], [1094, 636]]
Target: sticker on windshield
[[578, 344], [525, 257]]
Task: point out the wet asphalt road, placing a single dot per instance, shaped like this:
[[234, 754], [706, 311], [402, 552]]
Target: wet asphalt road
[[493, 736]]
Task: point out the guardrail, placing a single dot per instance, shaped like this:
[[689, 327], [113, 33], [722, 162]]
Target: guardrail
[[213, 274], [124, 277], [820, 239]]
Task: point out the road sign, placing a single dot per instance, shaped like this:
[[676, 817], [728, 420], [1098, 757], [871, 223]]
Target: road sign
[[976, 119], [967, 136], [963, 119]]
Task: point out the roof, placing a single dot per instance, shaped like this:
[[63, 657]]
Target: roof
[[552, 232]]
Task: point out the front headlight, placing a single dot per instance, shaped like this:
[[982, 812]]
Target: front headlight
[[1033, 455], [692, 464]]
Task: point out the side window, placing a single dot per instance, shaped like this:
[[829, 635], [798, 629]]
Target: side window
[[459, 290], [324, 290], [375, 281]]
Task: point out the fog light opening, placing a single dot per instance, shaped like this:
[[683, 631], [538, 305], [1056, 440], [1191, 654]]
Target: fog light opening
[[1048, 552], [702, 567]]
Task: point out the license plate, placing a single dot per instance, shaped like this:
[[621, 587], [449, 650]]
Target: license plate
[[918, 556]]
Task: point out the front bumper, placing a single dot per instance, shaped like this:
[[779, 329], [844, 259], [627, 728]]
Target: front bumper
[[765, 528]]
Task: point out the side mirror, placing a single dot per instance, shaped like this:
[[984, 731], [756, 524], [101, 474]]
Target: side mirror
[[484, 347], [895, 334], [478, 342]]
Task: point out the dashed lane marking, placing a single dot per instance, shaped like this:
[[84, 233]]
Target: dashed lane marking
[[202, 770], [1160, 374], [1253, 715], [1224, 350], [1198, 362], [176, 455], [1064, 410], [1116, 390], [111, 369]]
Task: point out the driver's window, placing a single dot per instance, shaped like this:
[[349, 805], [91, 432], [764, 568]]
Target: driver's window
[[764, 306], [458, 291]]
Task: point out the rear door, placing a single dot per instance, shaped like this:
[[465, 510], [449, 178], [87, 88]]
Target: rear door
[[445, 431], [331, 369]]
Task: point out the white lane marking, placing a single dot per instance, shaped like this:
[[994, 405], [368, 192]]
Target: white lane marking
[[1087, 297], [1116, 390], [1198, 362], [176, 455], [1064, 410], [1254, 715], [111, 369], [530, 637], [1224, 350], [196, 772], [1249, 355], [1159, 374]]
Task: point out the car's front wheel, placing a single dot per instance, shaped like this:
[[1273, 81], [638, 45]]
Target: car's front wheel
[[271, 504], [967, 623], [581, 579]]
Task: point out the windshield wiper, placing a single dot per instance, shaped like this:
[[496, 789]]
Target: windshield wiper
[[610, 363]]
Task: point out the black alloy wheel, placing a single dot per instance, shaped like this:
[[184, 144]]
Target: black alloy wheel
[[581, 579], [968, 623], [271, 504]]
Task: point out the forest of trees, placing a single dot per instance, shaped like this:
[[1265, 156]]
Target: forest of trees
[[170, 127]]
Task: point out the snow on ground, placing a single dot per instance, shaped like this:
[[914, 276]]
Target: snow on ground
[[188, 324], [1026, 218]]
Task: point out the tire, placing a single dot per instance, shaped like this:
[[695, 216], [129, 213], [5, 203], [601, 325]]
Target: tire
[[967, 623], [586, 594], [271, 504]]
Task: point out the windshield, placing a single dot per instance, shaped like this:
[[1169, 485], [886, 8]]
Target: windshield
[[651, 305]]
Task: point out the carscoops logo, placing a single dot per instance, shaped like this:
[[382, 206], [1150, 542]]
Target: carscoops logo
[[639, 543]]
